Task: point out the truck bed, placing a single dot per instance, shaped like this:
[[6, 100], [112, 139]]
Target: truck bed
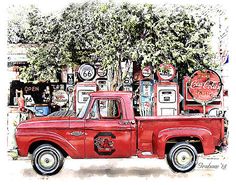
[[154, 131]]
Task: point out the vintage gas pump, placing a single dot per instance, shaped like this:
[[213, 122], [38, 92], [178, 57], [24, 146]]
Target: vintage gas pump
[[81, 94], [167, 92], [146, 88], [102, 84]]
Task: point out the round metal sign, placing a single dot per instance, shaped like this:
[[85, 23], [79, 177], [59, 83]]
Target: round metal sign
[[205, 86], [60, 98], [147, 71], [86, 72], [166, 72], [101, 72]]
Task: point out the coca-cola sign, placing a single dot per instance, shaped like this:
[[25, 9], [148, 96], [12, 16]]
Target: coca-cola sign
[[205, 86]]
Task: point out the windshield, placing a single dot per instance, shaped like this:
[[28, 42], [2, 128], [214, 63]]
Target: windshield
[[83, 110]]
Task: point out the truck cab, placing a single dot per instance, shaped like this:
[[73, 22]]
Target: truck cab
[[109, 125]]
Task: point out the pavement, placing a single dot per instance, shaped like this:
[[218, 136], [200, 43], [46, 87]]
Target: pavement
[[210, 169]]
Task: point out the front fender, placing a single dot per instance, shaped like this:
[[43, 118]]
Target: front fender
[[160, 138], [25, 140]]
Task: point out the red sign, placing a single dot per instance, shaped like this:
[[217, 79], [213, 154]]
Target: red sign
[[205, 86], [166, 72], [147, 71]]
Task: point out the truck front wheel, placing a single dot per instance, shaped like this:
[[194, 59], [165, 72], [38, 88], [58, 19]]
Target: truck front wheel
[[47, 160], [182, 157]]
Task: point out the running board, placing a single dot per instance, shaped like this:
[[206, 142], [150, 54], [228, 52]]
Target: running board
[[146, 155]]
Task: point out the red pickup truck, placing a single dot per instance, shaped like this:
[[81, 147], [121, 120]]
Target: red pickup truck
[[107, 128]]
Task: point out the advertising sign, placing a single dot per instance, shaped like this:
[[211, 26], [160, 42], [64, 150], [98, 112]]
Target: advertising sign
[[60, 98], [101, 72], [205, 86], [166, 72], [17, 60], [147, 71], [70, 79]]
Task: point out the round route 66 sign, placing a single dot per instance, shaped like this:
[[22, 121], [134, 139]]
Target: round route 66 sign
[[86, 72]]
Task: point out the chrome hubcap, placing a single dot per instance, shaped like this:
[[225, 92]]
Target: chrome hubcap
[[183, 157], [47, 161]]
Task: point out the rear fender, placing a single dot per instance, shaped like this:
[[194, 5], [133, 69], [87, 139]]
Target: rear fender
[[160, 138]]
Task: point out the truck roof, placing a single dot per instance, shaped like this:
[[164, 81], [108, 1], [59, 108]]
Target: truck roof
[[111, 93]]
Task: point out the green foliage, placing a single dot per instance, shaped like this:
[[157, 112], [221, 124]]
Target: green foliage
[[18, 23], [112, 33], [43, 64]]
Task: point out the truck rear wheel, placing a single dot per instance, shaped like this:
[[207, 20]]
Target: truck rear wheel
[[47, 160], [182, 157]]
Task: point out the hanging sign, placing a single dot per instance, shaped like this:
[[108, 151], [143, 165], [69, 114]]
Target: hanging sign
[[17, 60], [147, 71], [205, 86], [101, 72], [70, 79], [166, 72], [60, 98], [86, 72]]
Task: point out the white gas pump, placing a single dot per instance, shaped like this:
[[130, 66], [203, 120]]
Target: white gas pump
[[102, 84], [167, 102], [167, 93], [81, 94]]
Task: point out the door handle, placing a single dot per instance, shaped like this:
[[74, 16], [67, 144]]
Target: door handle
[[123, 122], [127, 122], [77, 133]]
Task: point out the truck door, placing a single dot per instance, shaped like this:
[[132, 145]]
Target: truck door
[[107, 135]]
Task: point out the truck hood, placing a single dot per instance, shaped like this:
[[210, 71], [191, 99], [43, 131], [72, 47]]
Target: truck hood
[[45, 122]]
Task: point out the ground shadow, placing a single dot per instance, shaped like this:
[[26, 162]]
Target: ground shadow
[[119, 172], [91, 171]]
